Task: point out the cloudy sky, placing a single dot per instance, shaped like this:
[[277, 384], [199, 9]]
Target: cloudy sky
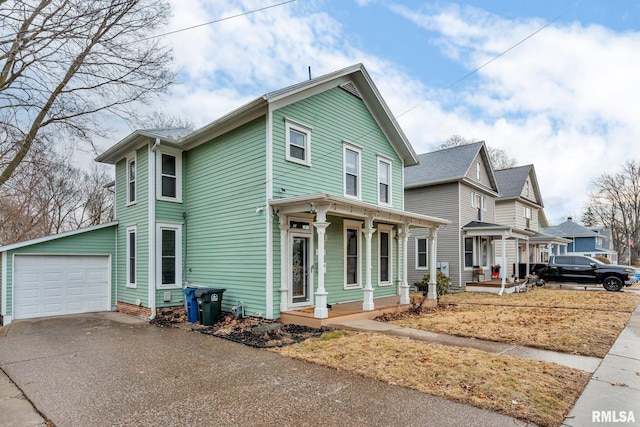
[[563, 97]]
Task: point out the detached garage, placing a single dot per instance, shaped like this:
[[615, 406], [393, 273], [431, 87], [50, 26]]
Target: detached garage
[[67, 273]]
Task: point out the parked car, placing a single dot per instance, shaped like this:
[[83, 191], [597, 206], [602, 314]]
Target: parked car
[[583, 269]]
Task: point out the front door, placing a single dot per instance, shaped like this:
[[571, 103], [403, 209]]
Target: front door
[[300, 279]]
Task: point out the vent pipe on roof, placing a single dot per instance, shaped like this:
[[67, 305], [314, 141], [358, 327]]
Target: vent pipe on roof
[[309, 72]]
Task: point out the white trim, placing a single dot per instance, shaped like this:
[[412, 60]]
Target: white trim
[[178, 156], [384, 228], [389, 164], [291, 233], [304, 130], [269, 217], [3, 308], [56, 236], [352, 225], [131, 158], [177, 227], [131, 229], [426, 239], [151, 220], [348, 146]]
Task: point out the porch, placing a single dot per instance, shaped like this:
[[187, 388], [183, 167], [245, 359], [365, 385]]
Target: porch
[[347, 311], [494, 285]]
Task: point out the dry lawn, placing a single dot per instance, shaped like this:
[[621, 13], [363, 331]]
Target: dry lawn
[[576, 322], [538, 392]]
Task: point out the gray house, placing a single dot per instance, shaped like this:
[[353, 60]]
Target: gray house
[[458, 184], [583, 240]]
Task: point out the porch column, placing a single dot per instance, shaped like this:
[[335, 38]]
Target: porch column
[[367, 303], [432, 292], [404, 286], [398, 260], [526, 255], [284, 270], [321, 224], [504, 257]]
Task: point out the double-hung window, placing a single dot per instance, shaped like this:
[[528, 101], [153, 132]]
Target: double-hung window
[[384, 181], [169, 175], [351, 171], [527, 216], [169, 255], [131, 257], [352, 261], [384, 255], [131, 180], [479, 202], [468, 252], [298, 142], [422, 253]]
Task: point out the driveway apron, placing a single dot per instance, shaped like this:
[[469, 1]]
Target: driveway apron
[[111, 369]]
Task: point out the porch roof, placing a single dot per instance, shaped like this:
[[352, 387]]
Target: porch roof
[[543, 238], [346, 207], [478, 228]]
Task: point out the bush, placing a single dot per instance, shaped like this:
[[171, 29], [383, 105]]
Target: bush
[[602, 259], [442, 283]]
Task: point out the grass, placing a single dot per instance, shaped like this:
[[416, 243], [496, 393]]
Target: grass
[[582, 322], [538, 392]]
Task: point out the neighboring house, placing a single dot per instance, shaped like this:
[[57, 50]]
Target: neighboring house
[[584, 241], [294, 201], [520, 205], [458, 184]]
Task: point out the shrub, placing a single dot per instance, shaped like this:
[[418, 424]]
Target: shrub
[[442, 283], [602, 259]]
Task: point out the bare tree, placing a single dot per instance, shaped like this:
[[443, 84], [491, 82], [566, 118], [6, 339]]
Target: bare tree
[[615, 204], [66, 64], [157, 120], [499, 158], [47, 195]]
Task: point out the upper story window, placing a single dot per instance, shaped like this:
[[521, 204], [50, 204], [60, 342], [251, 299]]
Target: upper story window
[[384, 181], [351, 171], [169, 175], [479, 202], [131, 180], [298, 142], [478, 171], [527, 216]]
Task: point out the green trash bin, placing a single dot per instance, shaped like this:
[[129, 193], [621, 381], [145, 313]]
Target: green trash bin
[[209, 304]]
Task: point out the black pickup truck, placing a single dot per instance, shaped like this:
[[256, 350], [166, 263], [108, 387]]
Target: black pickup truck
[[583, 269]]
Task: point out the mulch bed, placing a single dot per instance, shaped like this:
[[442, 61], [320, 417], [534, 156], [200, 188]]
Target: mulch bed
[[251, 331]]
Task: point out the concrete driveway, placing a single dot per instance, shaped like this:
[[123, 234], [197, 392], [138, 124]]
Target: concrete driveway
[[111, 369]]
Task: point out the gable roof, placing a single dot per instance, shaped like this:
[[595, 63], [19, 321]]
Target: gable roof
[[448, 165], [512, 181], [569, 228], [355, 78]]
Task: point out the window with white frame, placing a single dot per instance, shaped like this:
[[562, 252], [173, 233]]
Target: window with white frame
[[384, 255], [169, 255], [479, 202], [169, 173], [352, 257], [422, 253], [131, 257], [351, 171], [384, 181], [527, 216], [298, 142], [131, 180], [478, 171]]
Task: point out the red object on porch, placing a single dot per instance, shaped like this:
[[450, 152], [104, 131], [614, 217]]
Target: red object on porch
[[494, 275]]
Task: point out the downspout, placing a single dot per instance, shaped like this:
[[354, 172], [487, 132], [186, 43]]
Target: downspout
[[152, 228], [3, 308]]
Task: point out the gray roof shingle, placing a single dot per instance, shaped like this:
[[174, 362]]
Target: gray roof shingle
[[450, 164]]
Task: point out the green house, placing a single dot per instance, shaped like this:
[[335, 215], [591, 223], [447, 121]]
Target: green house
[[292, 202]]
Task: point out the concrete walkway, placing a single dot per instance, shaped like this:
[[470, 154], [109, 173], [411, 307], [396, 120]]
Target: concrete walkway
[[585, 363]]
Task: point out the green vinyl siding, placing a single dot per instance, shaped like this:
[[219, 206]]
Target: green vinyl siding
[[93, 242], [136, 215], [225, 232], [334, 116]]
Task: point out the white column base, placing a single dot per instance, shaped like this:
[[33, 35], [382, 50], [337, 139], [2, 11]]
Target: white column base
[[404, 294], [321, 311], [367, 304], [432, 293], [284, 297]]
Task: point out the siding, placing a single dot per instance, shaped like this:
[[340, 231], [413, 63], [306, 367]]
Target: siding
[[334, 116], [225, 236], [133, 215], [484, 173], [440, 201], [94, 242]]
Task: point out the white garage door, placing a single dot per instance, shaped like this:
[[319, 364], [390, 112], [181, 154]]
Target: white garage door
[[52, 285]]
